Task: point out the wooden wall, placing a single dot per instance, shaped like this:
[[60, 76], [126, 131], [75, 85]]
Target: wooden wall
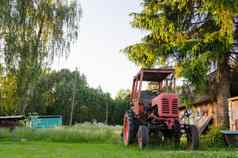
[[210, 108], [233, 113]]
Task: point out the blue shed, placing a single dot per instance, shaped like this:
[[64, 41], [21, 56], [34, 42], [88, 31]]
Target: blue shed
[[49, 121]]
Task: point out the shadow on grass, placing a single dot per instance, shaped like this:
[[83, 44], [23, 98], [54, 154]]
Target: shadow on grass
[[172, 147]]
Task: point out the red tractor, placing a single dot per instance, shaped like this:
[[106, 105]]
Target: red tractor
[[156, 112]]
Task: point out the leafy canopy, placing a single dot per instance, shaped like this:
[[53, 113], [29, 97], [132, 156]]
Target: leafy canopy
[[32, 34], [195, 33], [35, 31]]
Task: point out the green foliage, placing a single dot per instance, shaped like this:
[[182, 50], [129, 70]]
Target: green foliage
[[121, 104], [55, 24], [193, 33], [123, 94], [197, 35], [185, 100], [32, 34], [212, 139], [53, 94], [8, 98]]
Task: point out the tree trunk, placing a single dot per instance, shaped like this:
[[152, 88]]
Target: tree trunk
[[223, 93]]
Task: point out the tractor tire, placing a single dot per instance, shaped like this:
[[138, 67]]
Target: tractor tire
[[129, 128], [143, 136], [192, 137], [160, 137]]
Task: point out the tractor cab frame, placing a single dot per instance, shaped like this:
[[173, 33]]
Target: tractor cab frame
[[164, 79]]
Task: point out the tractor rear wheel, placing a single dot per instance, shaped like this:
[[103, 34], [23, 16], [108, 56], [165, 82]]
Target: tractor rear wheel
[[143, 136], [192, 137], [129, 128]]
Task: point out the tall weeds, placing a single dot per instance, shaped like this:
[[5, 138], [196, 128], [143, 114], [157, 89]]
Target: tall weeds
[[80, 133]]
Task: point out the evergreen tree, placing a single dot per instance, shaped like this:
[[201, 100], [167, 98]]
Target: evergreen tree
[[197, 34]]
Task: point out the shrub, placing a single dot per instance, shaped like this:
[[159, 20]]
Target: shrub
[[5, 133], [213, 138], [80, 133]]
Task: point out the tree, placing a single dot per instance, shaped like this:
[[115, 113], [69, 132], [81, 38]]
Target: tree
[[32, 33], [197, 34], [53, 95], [123, 94], [43, 96], [64, 86], [8, 96], [121, 104]]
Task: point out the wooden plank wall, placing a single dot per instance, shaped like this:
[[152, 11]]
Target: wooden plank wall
[[233, 113]]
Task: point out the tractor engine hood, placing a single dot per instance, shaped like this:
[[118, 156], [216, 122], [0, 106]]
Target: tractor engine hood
[[167, 104]]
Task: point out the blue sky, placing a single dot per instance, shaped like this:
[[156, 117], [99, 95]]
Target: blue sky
[[104, 30]]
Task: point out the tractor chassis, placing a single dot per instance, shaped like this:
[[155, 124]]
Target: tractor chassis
[[141, 130]]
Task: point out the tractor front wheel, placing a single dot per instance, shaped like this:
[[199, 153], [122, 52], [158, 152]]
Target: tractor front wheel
[[128, 129], [192, 137], [177, 133], [143, 136]]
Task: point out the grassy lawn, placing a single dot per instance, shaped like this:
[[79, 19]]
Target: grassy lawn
[[97, 141], [30, 149]]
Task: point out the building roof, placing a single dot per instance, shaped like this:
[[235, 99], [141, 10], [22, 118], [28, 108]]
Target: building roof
[[47, 116], [18, 117], [233, 98]]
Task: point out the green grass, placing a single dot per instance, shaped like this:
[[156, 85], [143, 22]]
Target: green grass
[[85, 150], [89, 140], [93, 133]]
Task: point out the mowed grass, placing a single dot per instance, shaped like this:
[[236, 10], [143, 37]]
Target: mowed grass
[[39, 149]]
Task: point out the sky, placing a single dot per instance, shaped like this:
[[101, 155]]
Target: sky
[[104, 30]]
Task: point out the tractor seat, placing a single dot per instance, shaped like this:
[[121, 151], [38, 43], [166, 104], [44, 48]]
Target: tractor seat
[[147, 96]]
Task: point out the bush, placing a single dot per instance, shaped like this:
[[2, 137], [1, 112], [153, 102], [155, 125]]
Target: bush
[[83, 133], [5, 133], [213, 138]]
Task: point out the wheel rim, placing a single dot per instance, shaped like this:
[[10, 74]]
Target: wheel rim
[[140, 139], [125, 131]]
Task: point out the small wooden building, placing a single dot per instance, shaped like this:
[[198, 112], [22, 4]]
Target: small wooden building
[[203, 108], [233, 113], [10, 121], [207, 106]]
